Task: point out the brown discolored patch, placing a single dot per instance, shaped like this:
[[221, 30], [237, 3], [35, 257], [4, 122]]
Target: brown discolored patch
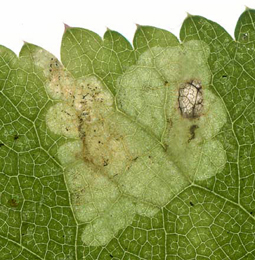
[[13, 203]]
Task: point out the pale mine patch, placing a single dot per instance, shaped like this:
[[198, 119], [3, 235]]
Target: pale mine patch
[[107, 185], [91, 192], [90, 98], [83, 115], [98, 157], [192, 113], [102, 146], [70, 152], [62, 119], [60, 84]]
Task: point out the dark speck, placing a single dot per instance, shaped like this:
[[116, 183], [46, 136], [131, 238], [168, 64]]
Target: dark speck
[[16, 137], [1, 144], [244, 36], [191, 203], [106, 163], [192, 132], [13, 203]]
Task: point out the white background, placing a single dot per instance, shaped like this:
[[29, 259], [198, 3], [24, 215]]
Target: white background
[[41, 22]]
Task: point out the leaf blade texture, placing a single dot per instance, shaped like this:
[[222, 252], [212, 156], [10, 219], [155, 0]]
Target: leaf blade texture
[[121, 152]]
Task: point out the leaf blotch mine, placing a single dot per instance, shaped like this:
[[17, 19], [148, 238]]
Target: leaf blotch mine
[[114, 167]]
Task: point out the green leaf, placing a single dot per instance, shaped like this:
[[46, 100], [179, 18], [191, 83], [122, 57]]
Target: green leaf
[[84, 53], [130, 153], [147, 37]]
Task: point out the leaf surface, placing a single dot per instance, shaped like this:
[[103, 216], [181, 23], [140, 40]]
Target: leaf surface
[[100, 160]]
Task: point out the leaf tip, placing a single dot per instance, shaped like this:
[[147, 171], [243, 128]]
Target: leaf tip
[[66, 26], [25, 42], [247, 8], [188, 15], [137, 26]]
